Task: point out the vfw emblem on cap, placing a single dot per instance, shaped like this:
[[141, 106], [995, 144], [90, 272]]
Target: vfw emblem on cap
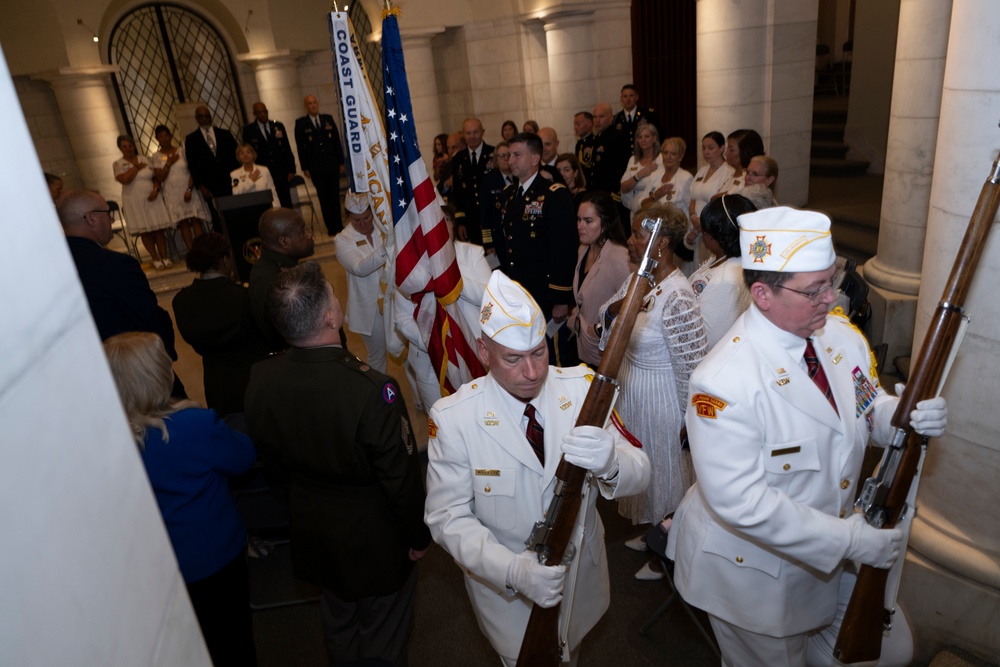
[[760, 249], [484, 316]]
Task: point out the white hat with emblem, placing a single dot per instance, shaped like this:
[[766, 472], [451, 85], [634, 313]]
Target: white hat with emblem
[[786, 240], [510, 316], [356, 203]]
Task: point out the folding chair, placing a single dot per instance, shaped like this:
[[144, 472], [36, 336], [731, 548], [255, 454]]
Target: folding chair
[[299, 202], [119, 227]]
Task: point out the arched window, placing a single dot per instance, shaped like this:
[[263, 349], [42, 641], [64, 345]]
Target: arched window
[[168, 55], [371, 52]]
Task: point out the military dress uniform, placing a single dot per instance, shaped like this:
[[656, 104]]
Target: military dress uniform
[[467, 190], [486, 489], [537, 241], [626, 128], [585, 155], [491, 202], [321, 154]]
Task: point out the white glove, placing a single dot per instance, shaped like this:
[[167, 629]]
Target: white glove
[[591, 448], [542, 584], [931, 416], [878, 547]]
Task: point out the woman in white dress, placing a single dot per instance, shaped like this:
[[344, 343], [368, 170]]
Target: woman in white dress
[[670, 184], [718, 282], [644, 161], [252, 177], [666, 345], [711, 180], [141, 201], [741, 146], [185, 205]]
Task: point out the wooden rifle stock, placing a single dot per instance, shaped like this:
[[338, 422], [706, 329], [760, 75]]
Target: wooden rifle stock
[[884, 495], [540, 645]]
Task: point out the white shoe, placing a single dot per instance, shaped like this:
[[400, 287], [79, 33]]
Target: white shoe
[[167, 263], [647, 573], [157, 264], [637, 543]]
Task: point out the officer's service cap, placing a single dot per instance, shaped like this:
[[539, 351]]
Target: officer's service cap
[[785, 239], [510, 316], [356, 203]]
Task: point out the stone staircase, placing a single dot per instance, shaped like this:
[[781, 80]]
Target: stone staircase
[[840, 186]]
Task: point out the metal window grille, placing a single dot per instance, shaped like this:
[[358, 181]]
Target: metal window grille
[[167, 54], [371, 52]]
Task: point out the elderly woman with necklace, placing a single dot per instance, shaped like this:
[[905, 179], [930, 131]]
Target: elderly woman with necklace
[[667, 343]]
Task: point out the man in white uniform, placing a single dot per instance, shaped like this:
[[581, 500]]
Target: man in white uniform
[[493, 451], [781, 410], [362, 253]]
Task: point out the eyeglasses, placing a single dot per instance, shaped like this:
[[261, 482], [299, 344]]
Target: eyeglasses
[[109, 211], [817, 295], [503, 156]]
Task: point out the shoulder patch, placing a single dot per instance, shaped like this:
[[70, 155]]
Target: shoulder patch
[[389, 393], [706, 405], [556, 186], [432, 429]]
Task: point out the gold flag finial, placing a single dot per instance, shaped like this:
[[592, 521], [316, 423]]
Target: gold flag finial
[[389, 10]]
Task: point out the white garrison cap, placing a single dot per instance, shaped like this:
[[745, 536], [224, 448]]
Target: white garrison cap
[[510, 316], [356, 203], [786, 240]]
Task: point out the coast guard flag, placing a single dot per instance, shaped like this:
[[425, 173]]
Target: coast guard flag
[[426, 268], [367, 160]]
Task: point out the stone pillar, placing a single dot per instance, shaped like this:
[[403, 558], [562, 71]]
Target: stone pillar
[[422, 81], [755, 68], [88, 111], [951, 582], [277, 77], [894, 273], [569, 43], [613, 30]]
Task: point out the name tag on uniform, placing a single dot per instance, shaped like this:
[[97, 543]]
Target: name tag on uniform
[[487, 472], [786, 451]]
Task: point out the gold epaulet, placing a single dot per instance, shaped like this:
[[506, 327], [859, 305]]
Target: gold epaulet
[[556, 186], [839, 313]]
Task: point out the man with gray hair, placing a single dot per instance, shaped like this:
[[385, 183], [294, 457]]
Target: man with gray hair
[[339, 431]]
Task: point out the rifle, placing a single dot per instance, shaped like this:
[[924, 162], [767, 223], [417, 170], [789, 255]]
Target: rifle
[[883, 497], [550, 538]]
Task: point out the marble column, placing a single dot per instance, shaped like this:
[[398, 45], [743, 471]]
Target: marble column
[[422, 80], [755, 68], [569, 44], [894, 273], [951, 582], [277, 77], [88, 111]]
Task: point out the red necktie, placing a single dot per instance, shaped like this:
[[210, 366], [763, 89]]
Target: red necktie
[[817, 375], [535, 433]]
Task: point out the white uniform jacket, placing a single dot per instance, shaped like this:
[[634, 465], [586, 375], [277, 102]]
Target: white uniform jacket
[[363, 263], [486, 489], [759, 540], [475, 274]]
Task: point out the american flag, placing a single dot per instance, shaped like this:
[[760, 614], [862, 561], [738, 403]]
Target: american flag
[[426, 269]]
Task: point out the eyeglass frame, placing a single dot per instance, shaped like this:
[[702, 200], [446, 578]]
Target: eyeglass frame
[[109, 211], [816, 296]]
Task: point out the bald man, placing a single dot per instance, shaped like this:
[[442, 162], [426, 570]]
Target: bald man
[[285, 241], [322, 158], [468, 168], [117, 291], [211, 156], [550, 151]]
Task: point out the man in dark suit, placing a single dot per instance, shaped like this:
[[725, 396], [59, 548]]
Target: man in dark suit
[[117, 291], [537, 241], [211, 157], [609, 161], [628, 119], [270, 139], [468, 168], [339, 430], [322, 160]]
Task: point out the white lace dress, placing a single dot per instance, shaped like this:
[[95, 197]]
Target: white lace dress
[[175, 187], [722, 295], [667, 343]]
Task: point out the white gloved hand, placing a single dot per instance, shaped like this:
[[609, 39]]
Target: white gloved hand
[[542, 584], [591, 448], [878, 547], [930, 417]]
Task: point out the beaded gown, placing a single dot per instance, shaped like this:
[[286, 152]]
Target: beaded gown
[[667, 343]]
